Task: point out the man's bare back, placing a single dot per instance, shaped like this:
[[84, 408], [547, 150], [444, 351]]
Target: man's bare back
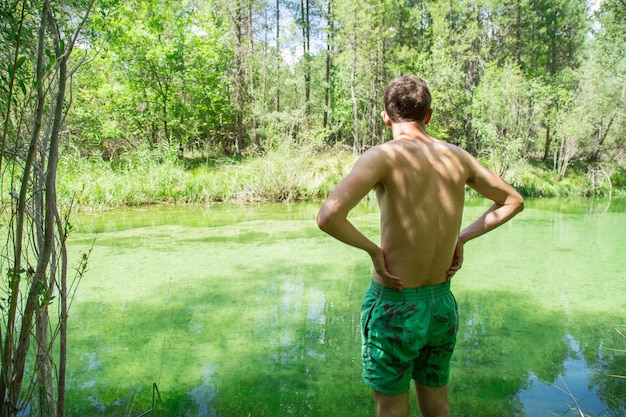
[[421, 197], [420, 187]]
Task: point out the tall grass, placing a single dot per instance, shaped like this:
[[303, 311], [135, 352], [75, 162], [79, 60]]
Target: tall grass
[[284, 174]]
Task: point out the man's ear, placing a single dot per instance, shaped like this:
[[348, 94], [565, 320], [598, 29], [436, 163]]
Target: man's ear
[[386, 118], [429, 114]]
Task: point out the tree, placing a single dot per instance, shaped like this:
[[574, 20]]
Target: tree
[[360, 64], [504, 114], [34, 256], [592, 125], [278, 56], [240, 18], [305, 24], [328, 72], [161, 79], [604, 77]]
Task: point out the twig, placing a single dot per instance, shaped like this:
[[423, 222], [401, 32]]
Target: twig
[[577, 408]]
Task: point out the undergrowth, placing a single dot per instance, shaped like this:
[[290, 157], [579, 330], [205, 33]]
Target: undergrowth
[[287, 174]]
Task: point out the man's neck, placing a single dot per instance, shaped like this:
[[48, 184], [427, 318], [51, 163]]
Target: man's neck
[[409, 131]]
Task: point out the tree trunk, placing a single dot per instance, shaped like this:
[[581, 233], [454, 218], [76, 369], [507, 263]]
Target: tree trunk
[[328, 64], [546, 149], [518, 33], [602, 133], [63, 296], [278, 55], [306, 49], [11, 85], [9, 403], [45, 392], [39, 190], [249, 72], [50, 210], [356, 147], [236, 19]]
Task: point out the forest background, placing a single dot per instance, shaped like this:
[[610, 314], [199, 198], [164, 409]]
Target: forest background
[[106, 103], [256, 100]]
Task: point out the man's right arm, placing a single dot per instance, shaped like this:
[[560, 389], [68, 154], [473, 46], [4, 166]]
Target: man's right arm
[[506, 201]]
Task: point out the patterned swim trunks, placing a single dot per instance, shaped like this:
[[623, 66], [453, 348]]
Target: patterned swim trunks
[[408, 334]]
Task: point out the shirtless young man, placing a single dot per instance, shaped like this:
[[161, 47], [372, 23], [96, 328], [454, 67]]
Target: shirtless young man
[[409, 317]]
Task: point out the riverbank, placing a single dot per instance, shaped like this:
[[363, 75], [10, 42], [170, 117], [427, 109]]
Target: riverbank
[[285, 175]]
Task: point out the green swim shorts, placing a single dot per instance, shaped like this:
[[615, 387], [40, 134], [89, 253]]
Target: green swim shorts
[[408, 334]]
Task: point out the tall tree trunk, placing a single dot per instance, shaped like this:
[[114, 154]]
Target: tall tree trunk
[[306, 49], [45, 391], [237, 21], [9, 403], [63, 296], [42, 185], [356, 146], [278, 56], [327, 87], [518, 32], [250, 70], [11, 85], [553, 47], [43, 260]]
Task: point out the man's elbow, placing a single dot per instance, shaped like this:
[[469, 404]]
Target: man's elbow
[[518, 203], [323, 220], [327, 219]]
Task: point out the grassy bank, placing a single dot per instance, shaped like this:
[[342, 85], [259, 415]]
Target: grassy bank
[[283, 175], [289, 174]]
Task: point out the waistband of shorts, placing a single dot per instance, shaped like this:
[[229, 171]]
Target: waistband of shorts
[[410, 294]]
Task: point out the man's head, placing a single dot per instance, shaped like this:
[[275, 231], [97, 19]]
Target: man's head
[[407, 99]]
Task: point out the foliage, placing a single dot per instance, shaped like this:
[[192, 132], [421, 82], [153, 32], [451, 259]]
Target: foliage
[[503, 113], [42, 44], [210, 101], [539, 81], [509, 78], [165, 82]]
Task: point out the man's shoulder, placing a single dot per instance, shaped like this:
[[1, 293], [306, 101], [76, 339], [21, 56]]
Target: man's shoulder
[[455, 149], [391, 148], [380, 151]]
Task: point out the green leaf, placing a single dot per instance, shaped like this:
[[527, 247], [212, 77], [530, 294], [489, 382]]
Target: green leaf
[[22, 86], [20, 62]]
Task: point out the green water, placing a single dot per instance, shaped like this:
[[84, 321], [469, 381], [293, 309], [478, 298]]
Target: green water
[[251, 311]]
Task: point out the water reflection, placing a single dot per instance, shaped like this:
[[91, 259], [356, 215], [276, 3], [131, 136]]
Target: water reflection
[[516, 358], [570, 390], [203, 396], [252, 311]]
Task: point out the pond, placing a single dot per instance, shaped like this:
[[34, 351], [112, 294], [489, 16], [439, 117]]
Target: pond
[[251, 311]]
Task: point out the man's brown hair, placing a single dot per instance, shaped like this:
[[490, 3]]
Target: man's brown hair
[[407, 99]]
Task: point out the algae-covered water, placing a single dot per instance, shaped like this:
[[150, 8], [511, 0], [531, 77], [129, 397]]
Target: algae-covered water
[[251, 311]]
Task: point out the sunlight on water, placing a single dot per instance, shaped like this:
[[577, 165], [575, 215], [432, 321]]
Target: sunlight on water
[[252, 311]]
